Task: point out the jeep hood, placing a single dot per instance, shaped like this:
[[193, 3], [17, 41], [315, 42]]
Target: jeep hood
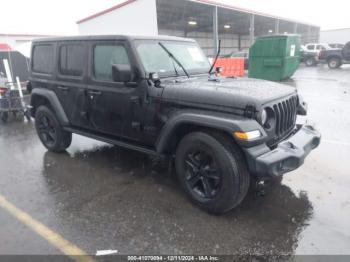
[[235, 93]]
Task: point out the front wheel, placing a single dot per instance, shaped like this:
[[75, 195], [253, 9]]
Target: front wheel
[[212, 171], [334, 63], [50, 132]]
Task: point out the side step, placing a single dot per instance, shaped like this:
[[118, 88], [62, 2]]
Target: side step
[[111, 140]]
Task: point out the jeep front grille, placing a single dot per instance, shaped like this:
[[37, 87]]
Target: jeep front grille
[[286, 115]]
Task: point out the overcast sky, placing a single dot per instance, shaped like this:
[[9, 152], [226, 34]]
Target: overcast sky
[[58, 17]]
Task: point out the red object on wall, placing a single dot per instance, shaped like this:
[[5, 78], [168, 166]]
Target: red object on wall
[[5, 47], [232, 67]]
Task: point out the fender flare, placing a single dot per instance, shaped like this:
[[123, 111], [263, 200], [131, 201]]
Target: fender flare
[[55, 104], [223, 122]]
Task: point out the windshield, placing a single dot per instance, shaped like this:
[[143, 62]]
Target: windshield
[[156, 60]]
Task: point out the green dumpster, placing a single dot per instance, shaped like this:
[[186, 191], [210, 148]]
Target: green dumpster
[[274, 57]]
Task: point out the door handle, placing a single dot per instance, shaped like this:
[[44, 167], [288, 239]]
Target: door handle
[[63, 88], [135, 99], [94, 92]]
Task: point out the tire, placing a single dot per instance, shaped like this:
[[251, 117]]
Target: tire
[[334, 63], [211, 161], [310, 61], [50, 132], [4, 117]]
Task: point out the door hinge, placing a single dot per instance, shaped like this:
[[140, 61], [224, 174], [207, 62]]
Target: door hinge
[[135, 99]]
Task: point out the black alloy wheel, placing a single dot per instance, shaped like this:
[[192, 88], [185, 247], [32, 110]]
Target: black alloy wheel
[[46, 130], [50, 132], [203, 176], [212, 171]]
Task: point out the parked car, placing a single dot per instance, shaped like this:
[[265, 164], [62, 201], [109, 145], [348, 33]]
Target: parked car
[[310, 58], [335, 58], [155, 95], [316, 47], [241, 54]]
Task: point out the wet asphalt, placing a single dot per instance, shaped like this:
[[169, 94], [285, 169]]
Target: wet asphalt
[[102, 197]]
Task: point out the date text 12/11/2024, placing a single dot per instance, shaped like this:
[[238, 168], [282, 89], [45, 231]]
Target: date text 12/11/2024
[[173, 258]]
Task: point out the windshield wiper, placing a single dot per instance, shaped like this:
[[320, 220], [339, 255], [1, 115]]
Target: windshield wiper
[[174, 58]]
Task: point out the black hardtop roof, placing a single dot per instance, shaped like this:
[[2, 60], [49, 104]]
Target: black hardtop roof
[[111, 37]]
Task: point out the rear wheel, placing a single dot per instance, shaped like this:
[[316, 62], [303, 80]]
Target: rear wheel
[[310, 61], [334, 63], [212, 171], [50, 132]]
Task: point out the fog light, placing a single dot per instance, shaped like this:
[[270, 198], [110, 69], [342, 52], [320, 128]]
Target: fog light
[[247, 136]]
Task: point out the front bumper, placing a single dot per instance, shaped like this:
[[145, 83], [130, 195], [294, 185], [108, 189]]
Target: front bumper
[[288, 156]]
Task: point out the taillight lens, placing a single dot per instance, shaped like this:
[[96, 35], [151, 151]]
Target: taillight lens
[[320, 54], [3, 90]]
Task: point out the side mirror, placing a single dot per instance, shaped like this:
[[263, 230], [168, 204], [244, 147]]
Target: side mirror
[[154, 77], [219, 70], [122, 73]]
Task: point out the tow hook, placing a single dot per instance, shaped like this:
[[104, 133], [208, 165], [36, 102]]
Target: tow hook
[[260, 187]]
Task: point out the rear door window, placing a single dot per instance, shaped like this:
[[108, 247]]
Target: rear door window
[[106, 55], [71, 59], [43, 59]]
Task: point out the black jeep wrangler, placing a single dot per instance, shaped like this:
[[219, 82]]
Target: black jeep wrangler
[[155, 95]]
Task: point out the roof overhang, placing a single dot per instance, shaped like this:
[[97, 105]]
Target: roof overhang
[[207, 2], [106, 11]]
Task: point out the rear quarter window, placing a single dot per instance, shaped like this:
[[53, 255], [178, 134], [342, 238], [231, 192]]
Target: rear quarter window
[[43, 59]]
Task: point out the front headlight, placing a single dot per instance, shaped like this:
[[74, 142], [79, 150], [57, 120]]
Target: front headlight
[[263, 117], [302, 107], [267, 118]]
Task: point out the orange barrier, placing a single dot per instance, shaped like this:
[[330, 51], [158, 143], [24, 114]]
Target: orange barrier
[[231, 66]]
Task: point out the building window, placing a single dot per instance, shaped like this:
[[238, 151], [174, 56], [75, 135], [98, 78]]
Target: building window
[[105, 56], [71, 61], [43, 59]]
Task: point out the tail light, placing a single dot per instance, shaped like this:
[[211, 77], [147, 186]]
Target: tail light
[[320, 55], [3, 90]]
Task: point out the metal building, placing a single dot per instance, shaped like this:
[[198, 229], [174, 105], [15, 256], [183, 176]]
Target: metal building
[[203, 20], [336, 36]]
